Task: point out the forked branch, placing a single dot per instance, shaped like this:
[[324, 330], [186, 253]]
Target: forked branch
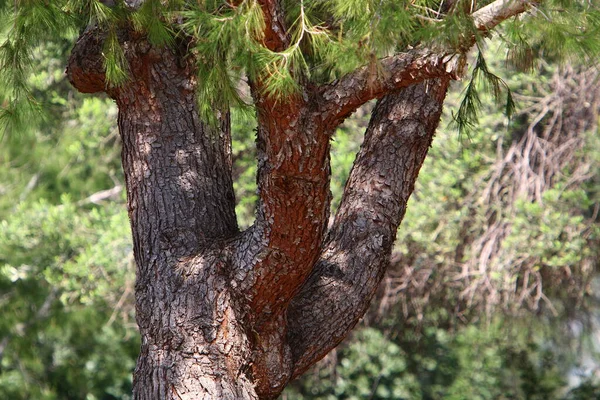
[[414, 66], [355, 255]]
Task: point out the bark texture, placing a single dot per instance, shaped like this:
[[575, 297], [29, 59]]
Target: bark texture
[[225, 314], [181, 207], [356, 253]]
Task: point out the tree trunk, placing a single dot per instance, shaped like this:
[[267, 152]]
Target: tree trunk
[[230, 315], [181, 206], [180, 198]]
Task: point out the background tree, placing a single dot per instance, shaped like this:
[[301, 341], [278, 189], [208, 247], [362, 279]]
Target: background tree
[[229, 314]]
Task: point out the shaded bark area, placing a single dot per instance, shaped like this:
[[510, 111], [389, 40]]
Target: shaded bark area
[[181, 207], [356, 251]]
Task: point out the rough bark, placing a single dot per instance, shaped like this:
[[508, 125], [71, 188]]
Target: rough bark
[[231, 315], [356, 252], [180, 199]]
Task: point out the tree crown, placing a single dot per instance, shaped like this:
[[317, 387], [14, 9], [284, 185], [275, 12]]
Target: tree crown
[[311, 42]]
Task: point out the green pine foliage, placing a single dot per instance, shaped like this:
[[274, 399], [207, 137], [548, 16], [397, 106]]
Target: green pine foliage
[[24, 25], [466, 118], [327, 40]]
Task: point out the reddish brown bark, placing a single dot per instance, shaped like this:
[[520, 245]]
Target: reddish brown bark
[[231, 315], [356, 253], [276, 35]]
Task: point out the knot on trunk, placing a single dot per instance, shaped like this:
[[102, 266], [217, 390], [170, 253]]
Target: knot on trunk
[[85, 68]]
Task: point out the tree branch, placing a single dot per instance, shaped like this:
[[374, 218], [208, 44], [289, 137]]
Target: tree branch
[[488, 17], [345, 95], [356, 253], [276, 34], [409, 68], [98, 197], [293, 189], [275, 256]]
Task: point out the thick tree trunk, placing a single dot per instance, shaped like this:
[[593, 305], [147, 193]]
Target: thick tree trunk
[[180, 197], [229, 315], [181, 207]]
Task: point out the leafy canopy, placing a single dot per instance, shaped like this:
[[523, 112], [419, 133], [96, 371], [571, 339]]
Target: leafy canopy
[[327, 38]]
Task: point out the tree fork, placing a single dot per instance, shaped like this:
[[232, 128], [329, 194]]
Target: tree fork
[[356, 251], [200, 336], [232, 315]]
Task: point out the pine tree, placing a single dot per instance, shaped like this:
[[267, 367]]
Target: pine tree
[[237, 315]]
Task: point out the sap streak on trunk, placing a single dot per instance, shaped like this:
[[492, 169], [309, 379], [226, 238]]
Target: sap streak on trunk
[[279, 251]]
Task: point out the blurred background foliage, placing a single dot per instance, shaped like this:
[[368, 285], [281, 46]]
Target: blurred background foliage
[[492, 293]]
